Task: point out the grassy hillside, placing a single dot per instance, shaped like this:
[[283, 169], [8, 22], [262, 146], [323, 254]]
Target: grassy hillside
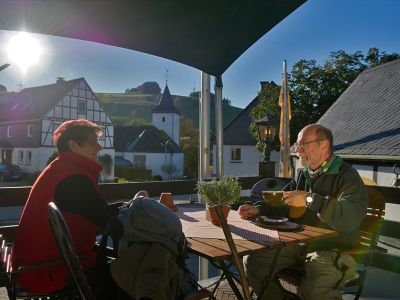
[[135, 109]]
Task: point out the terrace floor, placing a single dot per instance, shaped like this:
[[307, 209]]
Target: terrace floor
[[380, 285]]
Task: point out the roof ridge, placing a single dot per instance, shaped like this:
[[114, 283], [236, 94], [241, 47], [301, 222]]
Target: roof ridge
[[384, 65]]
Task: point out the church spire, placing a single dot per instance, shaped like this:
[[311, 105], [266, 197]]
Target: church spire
[[166, 104]]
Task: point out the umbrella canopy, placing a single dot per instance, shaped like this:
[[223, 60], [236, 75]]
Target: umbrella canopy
[[208, 35]]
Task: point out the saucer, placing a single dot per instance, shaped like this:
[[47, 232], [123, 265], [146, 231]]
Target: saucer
[[285, 226], [272, 219]]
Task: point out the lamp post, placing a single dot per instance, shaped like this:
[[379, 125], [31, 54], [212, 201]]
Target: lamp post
[[267, 130], [165, 159], [396, 171], [4, 67]]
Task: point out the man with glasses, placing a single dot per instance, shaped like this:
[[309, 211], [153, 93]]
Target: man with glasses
[[334, 197]]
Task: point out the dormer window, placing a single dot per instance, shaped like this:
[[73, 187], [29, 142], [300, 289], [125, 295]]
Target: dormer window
[[81, 107]]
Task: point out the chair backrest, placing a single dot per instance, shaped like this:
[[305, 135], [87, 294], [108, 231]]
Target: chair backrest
[[372, 223], [266, 184], [63, 239]]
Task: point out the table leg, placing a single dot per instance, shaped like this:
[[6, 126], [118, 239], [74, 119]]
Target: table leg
[[268, 278], [230, 280]]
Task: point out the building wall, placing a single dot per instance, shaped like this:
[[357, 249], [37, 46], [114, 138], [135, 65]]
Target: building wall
[[39, 158], [383, 175], [248, 165], [386, 176], [155, 161], [19, 134], [170, 124]]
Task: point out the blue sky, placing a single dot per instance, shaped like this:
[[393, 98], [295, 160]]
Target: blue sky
[[311, 32]]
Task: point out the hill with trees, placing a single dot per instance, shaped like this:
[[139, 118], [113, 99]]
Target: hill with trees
[[134, 108]]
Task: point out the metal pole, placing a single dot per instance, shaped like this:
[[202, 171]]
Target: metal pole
[[218, 128], [165, 159], [204, 144], [204, 118]]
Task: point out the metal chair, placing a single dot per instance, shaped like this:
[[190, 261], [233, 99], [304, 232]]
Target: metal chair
[[368, 246], [63, 239], [9, 281]]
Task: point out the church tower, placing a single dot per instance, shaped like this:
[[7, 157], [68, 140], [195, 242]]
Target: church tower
[[166, 116]]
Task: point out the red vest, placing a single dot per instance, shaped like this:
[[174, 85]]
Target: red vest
[[34, 242]]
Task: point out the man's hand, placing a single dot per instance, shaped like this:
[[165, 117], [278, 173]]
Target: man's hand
[[247, 211], [295, 198]]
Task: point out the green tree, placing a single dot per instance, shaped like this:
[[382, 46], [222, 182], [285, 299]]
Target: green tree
[[148, 87], [314, 88], [268, 104], [190, 147]]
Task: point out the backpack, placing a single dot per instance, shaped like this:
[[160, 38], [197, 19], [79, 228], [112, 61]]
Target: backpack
[[147, 220]]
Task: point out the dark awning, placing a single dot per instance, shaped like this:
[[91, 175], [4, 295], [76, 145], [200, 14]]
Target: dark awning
[[206, 34]]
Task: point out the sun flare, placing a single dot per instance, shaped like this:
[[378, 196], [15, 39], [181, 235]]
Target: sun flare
[[24, 50]]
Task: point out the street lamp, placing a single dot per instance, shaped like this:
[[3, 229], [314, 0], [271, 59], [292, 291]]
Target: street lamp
[[267, 130]]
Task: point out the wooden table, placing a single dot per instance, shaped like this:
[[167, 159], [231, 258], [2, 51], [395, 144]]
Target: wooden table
[[201, 234]]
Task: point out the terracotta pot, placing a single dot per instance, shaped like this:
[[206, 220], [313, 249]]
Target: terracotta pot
[[211, 215], [168, 201]]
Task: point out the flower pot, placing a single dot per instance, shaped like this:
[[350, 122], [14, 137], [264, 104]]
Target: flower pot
[[211, 215], [168, 201]]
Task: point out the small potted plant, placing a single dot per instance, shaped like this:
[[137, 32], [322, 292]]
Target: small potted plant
[[222, 192]]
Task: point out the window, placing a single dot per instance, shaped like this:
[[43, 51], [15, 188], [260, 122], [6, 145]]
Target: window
[[236, 154], [30, 129], [81, 107], [20, 157], [163, 119], [28, 157], [139, 161], [9, 131]]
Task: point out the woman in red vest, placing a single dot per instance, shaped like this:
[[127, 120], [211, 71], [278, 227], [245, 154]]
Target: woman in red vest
[[71, 182]]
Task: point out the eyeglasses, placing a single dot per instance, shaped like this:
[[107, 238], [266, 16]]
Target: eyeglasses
[[304, 144]]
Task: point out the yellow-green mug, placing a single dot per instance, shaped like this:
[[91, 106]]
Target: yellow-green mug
[[273, 198]]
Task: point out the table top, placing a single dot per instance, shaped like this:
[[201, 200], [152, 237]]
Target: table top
[[207, 240]]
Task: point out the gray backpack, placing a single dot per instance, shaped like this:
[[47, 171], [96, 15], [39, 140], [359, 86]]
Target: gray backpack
[[147, 220]]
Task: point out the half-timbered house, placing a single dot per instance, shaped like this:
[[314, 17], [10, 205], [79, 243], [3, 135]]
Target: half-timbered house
[[29, 118]]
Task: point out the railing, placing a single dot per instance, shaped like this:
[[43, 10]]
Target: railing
[[114, 192]]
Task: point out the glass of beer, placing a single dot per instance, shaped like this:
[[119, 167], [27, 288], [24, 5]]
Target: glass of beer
[[273, 198]]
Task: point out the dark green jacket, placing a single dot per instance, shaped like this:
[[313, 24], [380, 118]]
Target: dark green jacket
[[340, 203]]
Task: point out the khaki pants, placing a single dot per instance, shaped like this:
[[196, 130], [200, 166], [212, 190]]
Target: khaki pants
[[146, 270], [321, 280]]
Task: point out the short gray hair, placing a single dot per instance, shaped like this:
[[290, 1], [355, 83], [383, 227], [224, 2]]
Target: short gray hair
[[324, 133]]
